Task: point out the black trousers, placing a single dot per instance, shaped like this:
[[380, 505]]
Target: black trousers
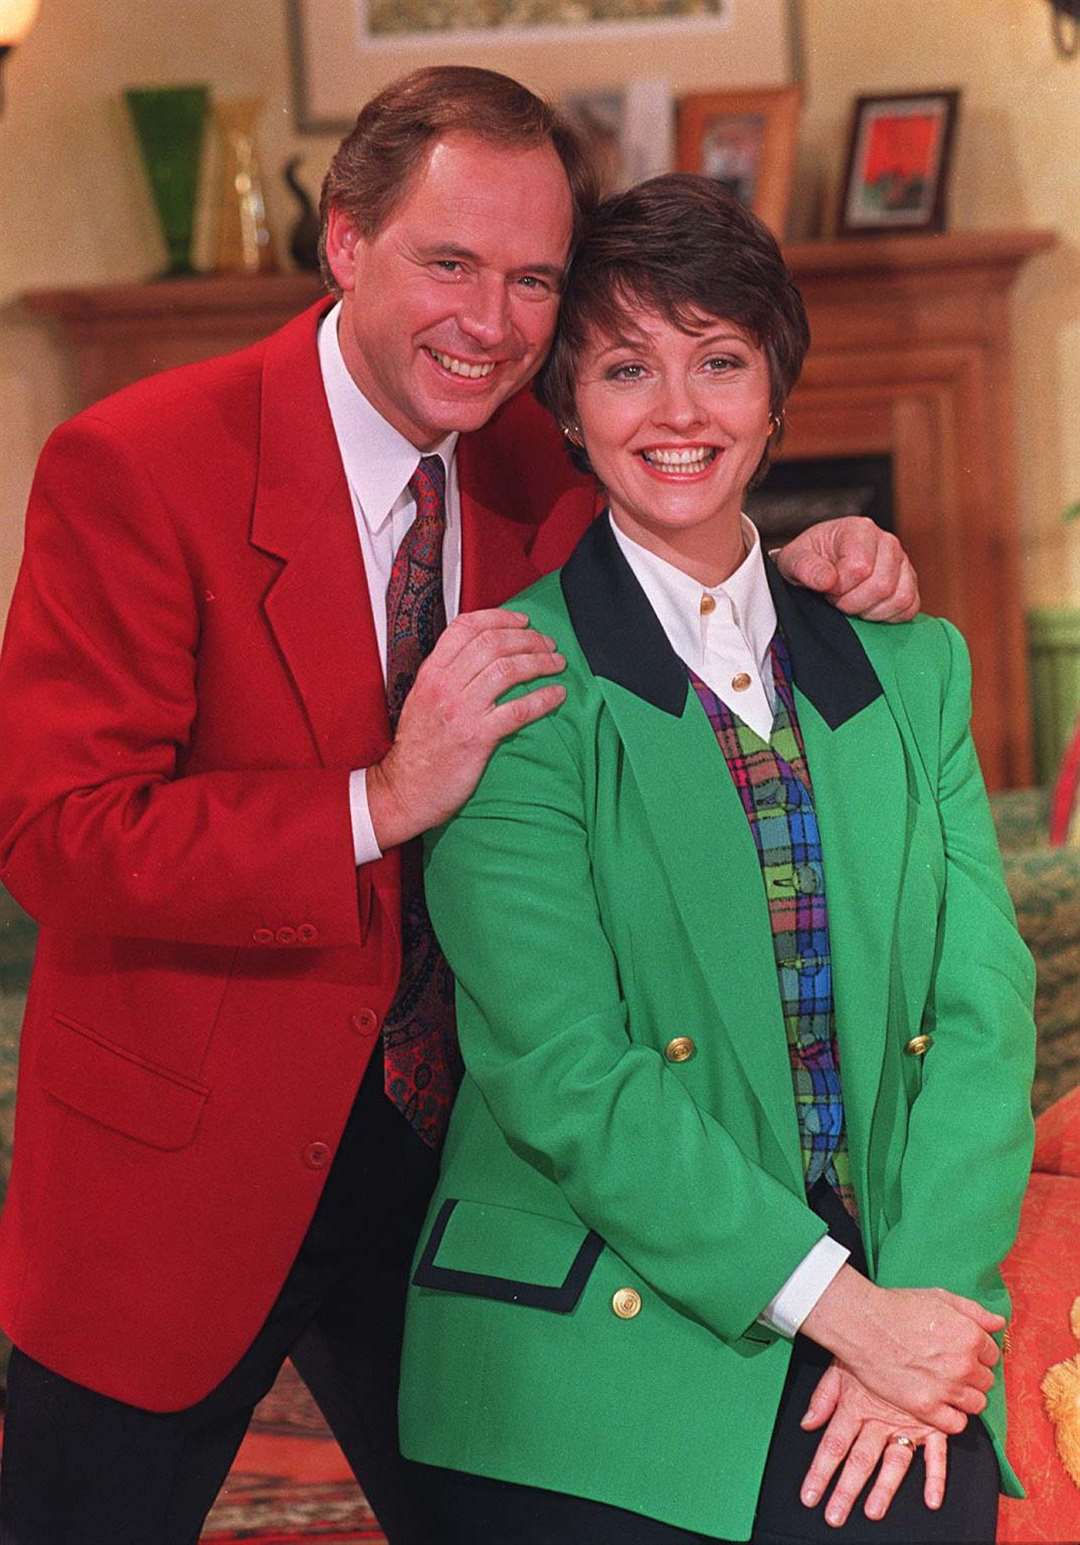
[[81, 1469], [467, 1509]]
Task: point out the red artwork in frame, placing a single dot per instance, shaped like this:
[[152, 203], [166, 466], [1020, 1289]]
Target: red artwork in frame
[[898, 163]]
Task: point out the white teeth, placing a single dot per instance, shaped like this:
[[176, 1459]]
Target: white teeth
[[689, 459], [461, 367]]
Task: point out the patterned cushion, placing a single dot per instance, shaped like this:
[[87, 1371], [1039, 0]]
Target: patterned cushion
[[1045, 887]]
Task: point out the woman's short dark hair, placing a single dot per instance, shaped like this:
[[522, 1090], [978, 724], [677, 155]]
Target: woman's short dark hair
[[679, 246], [373, 167]]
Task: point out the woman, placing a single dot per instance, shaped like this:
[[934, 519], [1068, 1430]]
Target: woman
[[739, 992]]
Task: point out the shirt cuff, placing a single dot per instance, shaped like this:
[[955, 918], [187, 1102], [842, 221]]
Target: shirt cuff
[[786, 1312], [365, 847]]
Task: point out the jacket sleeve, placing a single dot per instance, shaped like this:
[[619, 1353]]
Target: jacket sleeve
[[101, 831], [970, 1133], [547, 1038]]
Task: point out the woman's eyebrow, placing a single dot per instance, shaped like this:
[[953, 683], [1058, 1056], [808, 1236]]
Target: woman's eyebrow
[[724, 337], [624, 341]]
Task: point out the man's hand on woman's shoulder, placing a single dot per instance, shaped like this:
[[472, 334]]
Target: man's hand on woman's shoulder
[[453, 718], [862, 569]]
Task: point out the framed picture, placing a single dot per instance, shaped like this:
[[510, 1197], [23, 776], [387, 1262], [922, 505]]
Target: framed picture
[[343, 51], [898, 163], [747, 141]]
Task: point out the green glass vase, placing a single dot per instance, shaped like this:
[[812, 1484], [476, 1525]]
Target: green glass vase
[[169, 124]]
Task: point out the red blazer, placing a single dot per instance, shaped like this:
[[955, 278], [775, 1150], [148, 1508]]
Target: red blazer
[[189, 674]]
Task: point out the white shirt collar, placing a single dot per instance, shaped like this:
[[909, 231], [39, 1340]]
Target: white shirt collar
[[675, 597], [378, 459]]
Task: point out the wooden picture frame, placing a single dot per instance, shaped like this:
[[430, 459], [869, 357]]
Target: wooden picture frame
[[899, 156], [746, 139]]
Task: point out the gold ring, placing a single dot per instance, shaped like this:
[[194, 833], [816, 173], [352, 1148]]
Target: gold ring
[[904, 1441]]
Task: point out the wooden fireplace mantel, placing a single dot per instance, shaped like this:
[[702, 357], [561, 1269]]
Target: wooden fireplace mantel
[[911, 358]]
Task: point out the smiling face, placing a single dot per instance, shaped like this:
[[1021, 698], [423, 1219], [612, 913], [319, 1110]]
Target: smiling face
[[450, 307], [675, 424]]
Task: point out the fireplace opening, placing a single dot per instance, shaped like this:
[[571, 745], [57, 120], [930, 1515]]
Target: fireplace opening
[[800, 492]]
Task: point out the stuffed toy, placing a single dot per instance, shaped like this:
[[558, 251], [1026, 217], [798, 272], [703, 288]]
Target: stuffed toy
[[1061, 1393]]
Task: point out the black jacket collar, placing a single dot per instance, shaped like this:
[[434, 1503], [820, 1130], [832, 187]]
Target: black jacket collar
[[623, 640]]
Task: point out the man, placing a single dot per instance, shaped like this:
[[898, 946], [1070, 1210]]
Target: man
[[221, 747]]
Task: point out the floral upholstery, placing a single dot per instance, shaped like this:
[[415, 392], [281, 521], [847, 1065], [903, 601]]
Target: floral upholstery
[[1045, 887], [1043, 1275]]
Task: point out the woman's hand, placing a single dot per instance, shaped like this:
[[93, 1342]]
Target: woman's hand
[[861, 1433], [925, 1350]]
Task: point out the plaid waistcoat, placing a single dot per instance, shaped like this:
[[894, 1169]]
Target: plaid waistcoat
[[773, 782]]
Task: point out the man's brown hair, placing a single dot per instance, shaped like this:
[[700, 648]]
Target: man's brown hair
[[679, 246], [373, 167]]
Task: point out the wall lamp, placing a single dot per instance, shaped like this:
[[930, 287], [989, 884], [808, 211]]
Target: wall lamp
[[16, 19], [1065, 22]]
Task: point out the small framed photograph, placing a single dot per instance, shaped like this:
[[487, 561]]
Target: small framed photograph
[[747, 141], [898, 163]]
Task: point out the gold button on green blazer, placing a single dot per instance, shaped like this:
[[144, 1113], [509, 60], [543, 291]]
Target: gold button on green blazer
[[612, 1215]]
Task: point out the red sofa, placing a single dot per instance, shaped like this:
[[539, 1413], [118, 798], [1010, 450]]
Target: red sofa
[[1043, 1274]]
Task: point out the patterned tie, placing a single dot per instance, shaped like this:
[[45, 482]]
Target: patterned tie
[[422, 1061]]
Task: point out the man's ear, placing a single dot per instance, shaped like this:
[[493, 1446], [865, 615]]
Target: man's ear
[[342, 240]]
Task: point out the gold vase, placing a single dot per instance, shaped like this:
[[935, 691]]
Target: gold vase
[[244, 244]]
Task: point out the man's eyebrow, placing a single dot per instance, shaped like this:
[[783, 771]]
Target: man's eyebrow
[[449, 250], [553, 271]]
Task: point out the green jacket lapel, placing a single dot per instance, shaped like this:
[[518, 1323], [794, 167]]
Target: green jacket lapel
[[707, 853], [702, 836]]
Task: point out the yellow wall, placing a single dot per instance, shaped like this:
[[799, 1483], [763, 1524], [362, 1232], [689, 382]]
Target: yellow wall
[[74, 209], [1016, 165]]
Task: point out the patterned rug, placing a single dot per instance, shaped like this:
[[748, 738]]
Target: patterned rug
[[290, 1483]]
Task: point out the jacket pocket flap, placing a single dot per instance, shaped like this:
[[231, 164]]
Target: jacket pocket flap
[[115, 1087], [515, 1257]]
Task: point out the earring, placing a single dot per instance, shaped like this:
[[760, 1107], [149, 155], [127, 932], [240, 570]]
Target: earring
[[573, 434], [775, 422]]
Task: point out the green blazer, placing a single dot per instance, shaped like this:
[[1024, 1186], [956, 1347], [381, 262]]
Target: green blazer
[[600, 897]]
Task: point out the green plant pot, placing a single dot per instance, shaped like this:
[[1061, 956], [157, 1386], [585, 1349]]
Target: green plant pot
[[169, 124]]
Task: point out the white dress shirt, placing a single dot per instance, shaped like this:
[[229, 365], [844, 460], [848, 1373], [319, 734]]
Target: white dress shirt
[[723, 633], [378, 463]]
